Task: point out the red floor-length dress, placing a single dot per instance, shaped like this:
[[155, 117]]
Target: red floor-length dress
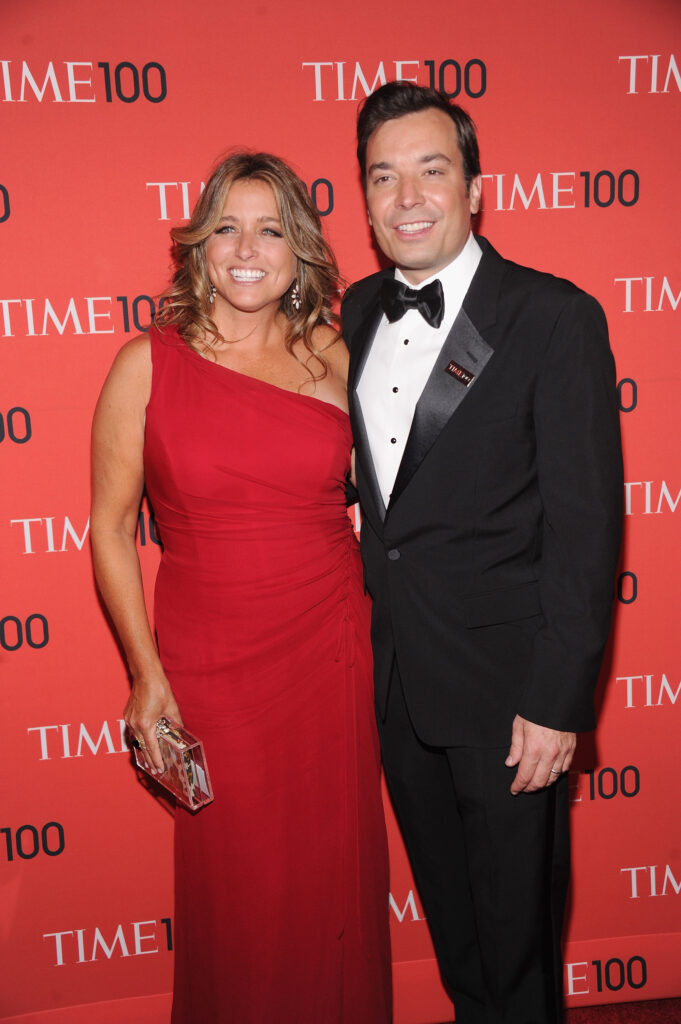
[[281, 884]]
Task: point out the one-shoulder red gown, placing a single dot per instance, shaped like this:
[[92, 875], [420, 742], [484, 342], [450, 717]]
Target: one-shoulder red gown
[[281, 884]]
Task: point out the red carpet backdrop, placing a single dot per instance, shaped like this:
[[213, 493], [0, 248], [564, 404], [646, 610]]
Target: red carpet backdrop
[[111, 119]]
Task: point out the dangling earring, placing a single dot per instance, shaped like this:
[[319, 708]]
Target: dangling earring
[[211, 294], [296, 300]]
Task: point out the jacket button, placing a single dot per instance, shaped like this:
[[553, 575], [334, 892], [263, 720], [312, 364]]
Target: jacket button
[[393, 554]]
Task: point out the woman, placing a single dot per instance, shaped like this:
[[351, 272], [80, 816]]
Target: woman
[[232, 413]]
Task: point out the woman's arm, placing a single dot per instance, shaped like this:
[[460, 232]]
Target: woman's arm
[[117, 484]]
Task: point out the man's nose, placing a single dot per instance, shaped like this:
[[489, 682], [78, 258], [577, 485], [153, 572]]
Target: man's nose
[[409, 193]]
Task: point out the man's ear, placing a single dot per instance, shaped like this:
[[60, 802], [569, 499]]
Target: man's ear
[[475, 194]]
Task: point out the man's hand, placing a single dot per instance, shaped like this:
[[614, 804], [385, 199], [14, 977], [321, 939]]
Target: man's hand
[[542, 755]]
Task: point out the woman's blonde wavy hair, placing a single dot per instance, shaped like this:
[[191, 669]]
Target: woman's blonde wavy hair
[[186, 304]]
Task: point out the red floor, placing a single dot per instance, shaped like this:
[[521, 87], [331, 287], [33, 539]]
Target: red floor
[[657, 1011]]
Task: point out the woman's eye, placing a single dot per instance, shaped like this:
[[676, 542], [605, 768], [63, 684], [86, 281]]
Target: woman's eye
[[272, 233], [224, 229]]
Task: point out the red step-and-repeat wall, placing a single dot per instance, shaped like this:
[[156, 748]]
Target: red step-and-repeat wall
[[111, 117]]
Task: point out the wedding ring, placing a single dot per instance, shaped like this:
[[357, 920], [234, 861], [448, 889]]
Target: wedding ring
[[555, 772]]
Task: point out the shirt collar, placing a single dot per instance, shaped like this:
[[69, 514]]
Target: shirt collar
[[459, 271]]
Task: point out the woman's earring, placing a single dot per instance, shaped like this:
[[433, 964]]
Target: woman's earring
[[211, 294], [296, 300]]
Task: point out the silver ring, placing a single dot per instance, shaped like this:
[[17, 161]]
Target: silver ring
[[555, 772]]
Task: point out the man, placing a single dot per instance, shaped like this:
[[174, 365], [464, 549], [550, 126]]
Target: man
[[489, 472]]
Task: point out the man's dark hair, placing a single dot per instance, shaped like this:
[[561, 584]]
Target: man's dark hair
[[395, 99]]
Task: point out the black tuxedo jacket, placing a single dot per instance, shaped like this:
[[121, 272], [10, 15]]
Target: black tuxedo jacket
[[491, 570]]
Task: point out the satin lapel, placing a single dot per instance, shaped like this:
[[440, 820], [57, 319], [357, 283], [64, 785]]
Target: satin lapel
[[464, 350], [358, 356]]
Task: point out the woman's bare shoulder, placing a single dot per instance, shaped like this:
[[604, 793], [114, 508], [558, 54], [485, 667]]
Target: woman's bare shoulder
[[129, 378], [135, 355], [330, 343]]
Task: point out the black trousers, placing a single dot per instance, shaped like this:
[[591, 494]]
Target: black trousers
[[491, 869]]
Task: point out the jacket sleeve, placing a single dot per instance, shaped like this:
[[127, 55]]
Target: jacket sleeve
[[579, 466]]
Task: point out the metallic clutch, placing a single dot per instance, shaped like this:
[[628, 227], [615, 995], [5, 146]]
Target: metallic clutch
[[186, 773]]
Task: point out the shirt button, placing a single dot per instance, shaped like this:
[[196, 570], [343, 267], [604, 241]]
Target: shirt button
[[393, 554], [395, 390], [406, 341], [393, 440]]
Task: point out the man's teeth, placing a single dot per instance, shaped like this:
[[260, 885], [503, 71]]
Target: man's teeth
[[247, 275], [410, 229]]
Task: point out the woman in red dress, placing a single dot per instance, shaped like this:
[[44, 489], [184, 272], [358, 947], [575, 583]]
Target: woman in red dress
[[232, 413]]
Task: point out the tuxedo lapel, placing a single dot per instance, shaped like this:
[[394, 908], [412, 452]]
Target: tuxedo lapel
[[461, 360], [358, 356]]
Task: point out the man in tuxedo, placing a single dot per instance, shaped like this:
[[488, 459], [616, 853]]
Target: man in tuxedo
[[482, 397]]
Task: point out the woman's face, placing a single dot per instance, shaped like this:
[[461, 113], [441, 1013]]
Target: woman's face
[[247, 257]]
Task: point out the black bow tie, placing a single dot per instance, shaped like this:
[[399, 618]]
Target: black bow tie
[[397, 298]]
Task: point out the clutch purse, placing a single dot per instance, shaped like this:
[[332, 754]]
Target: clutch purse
[[186, 772]]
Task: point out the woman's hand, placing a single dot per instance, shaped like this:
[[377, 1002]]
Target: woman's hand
[[150, 699]]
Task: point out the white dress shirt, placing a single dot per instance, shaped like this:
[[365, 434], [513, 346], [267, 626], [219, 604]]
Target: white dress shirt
[[399, 363]]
